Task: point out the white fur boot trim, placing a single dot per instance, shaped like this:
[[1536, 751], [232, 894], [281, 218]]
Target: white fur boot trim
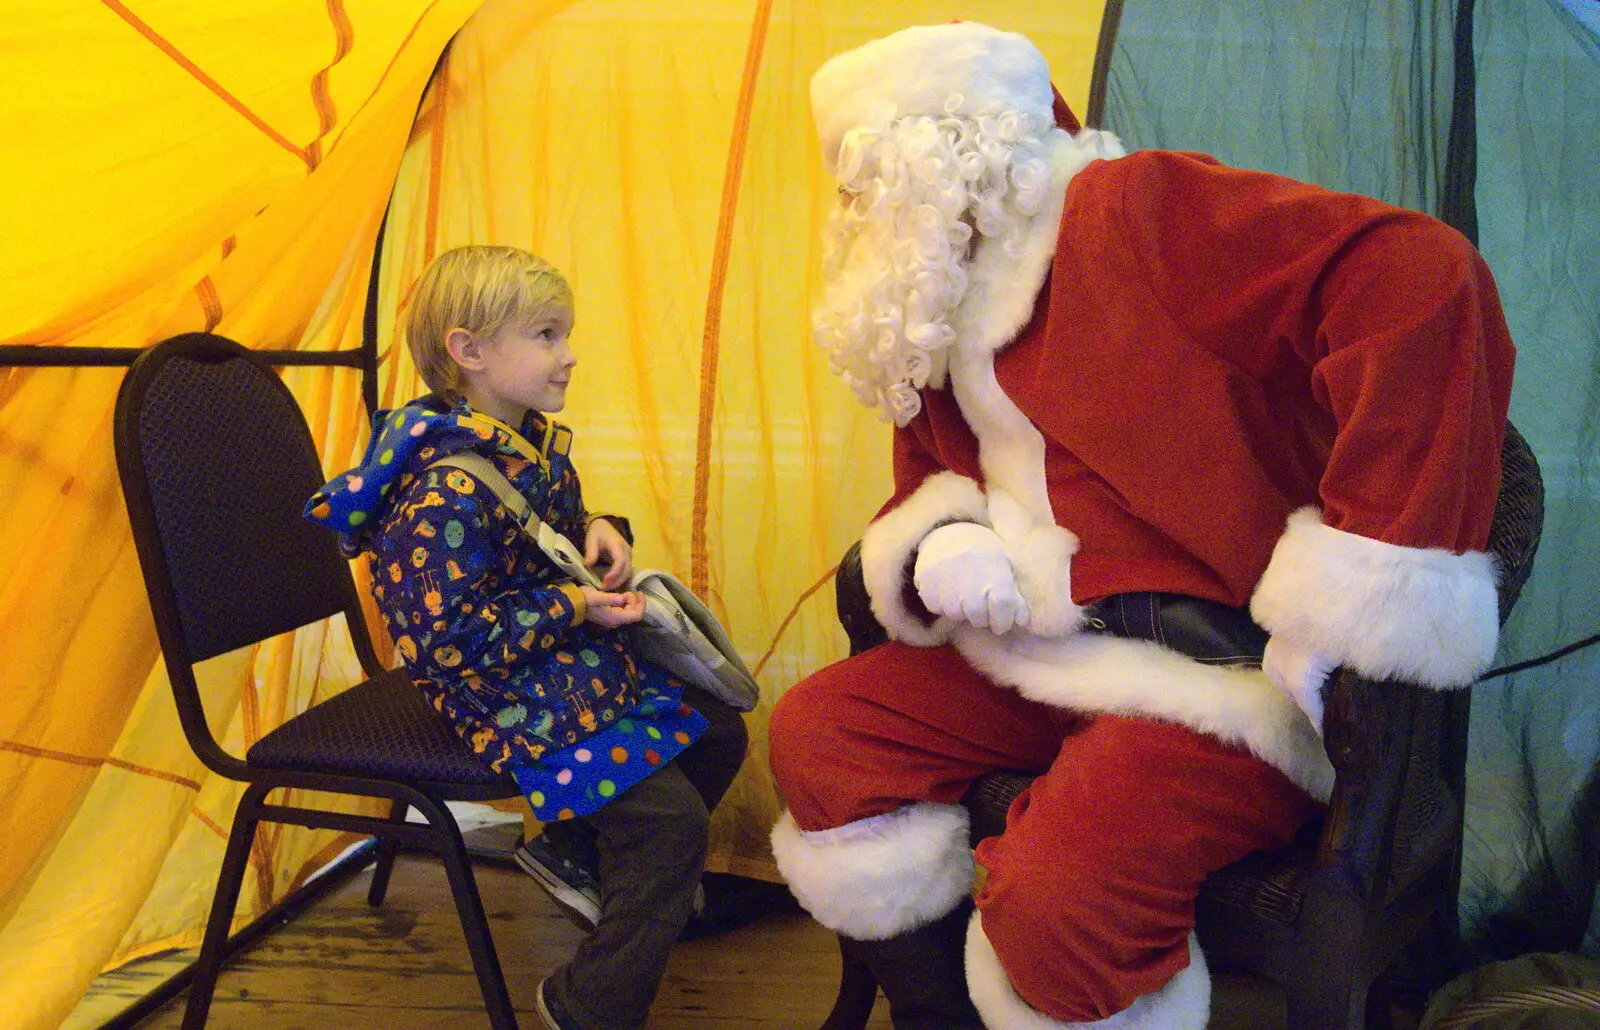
[[879, 877], [1183, 1004]]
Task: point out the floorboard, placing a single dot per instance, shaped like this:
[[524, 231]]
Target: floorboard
[[406, 967]]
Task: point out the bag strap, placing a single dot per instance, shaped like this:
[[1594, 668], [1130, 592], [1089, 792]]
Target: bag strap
[[538, 453], [555, 546], [483, 470]]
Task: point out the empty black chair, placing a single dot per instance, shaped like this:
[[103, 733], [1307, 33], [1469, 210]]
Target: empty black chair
[[216, 463], [1329, 915]]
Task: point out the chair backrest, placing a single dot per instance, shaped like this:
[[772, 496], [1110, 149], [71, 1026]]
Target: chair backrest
[[216, 463], [1518, 518], [1400, 750]]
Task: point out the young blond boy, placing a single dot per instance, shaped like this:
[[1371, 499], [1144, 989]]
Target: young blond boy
[[622, 761]]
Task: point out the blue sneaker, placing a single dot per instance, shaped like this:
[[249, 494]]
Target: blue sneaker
[[572, 886]]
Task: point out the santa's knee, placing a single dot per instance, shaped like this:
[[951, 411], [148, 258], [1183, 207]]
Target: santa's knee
[[805, 746], [797, 734], [1032, 966]]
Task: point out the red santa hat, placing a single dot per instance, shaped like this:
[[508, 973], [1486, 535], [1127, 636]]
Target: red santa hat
[[961, 68]]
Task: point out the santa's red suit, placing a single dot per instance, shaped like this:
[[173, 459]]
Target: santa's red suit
[[1190, 379]]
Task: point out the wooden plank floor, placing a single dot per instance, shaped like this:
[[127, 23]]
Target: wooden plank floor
[[405, 966]]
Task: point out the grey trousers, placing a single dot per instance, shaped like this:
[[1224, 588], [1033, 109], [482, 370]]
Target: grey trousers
[[650, 842]]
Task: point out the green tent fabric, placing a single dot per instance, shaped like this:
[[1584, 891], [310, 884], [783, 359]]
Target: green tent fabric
[[1360, 97], [1533, 840]]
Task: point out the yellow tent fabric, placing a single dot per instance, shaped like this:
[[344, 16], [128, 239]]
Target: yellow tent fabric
[[226, 166], [188, 166], [672, 173]]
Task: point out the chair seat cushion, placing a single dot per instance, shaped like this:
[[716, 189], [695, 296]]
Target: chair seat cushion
[[383, 728]]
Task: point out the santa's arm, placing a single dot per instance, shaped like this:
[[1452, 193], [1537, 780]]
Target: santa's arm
[[927, 496], [1392, 319], [1412, 357]]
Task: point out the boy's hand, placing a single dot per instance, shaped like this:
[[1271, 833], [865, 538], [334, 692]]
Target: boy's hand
[[612, 610], [603, 545]]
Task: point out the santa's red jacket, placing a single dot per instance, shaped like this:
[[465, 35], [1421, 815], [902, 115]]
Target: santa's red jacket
[[1226, 384]]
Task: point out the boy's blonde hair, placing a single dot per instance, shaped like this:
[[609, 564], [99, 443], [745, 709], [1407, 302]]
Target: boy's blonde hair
[[480, 289]]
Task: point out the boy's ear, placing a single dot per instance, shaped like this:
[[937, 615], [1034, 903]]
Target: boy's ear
[[464, 349]]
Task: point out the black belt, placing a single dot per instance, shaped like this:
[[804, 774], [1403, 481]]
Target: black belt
[[1207, 631]]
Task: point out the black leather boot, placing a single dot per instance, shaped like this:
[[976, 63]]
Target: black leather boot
[[923, 973]]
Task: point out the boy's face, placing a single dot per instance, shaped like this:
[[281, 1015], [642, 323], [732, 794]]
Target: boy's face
[[527, 364]]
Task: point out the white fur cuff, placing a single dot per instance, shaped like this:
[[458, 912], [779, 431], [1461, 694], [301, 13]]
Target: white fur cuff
[[1042, 559], [889, 542], [1183, 1004], [1422, 615], [875, 878]]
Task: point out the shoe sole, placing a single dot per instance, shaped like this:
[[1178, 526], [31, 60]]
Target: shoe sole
[[564, 894], [544, 1010]]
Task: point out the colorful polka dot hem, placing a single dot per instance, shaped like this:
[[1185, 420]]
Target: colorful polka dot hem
[[581, 779]]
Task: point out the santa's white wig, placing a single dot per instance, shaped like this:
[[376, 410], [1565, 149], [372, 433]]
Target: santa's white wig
[[939, 139]]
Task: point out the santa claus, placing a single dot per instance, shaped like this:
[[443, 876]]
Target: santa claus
[[1173, 441]]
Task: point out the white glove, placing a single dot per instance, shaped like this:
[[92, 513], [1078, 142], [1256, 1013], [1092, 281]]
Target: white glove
[[963, 572], [1299, 673]]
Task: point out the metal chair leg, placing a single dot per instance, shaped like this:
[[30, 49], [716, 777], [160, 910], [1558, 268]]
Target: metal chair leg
[[858, 992], [388, 847], [474, 924], [234, 861]]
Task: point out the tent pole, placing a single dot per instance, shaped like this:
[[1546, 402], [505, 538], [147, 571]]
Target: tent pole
[[1458, 204], [1110, 21], [369, 323]]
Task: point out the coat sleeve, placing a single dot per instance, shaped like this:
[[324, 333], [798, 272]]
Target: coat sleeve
[[927, 495], [440, 580], [1390, 323]]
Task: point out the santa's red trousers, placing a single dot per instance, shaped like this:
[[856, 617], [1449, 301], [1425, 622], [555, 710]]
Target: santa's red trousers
[[1090, 893]]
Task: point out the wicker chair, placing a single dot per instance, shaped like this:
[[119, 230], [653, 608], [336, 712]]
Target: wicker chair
[[1329, 915], [216, 463]]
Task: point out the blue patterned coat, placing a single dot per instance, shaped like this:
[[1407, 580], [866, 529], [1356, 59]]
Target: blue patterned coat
[[486, 623]]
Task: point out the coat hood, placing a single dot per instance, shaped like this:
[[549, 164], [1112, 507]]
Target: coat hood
[[404, 441]]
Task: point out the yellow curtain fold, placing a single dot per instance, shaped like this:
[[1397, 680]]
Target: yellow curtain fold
[[188, 166]]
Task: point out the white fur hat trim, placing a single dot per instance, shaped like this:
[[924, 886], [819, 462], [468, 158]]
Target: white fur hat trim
[[961, 68]]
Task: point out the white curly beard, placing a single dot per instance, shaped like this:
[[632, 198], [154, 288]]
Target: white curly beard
[[922, 191], [885, 312]]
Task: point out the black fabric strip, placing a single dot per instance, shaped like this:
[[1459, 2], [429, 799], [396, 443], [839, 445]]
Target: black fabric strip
[[1532, 663], [1109, 22], [1458, 202]]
